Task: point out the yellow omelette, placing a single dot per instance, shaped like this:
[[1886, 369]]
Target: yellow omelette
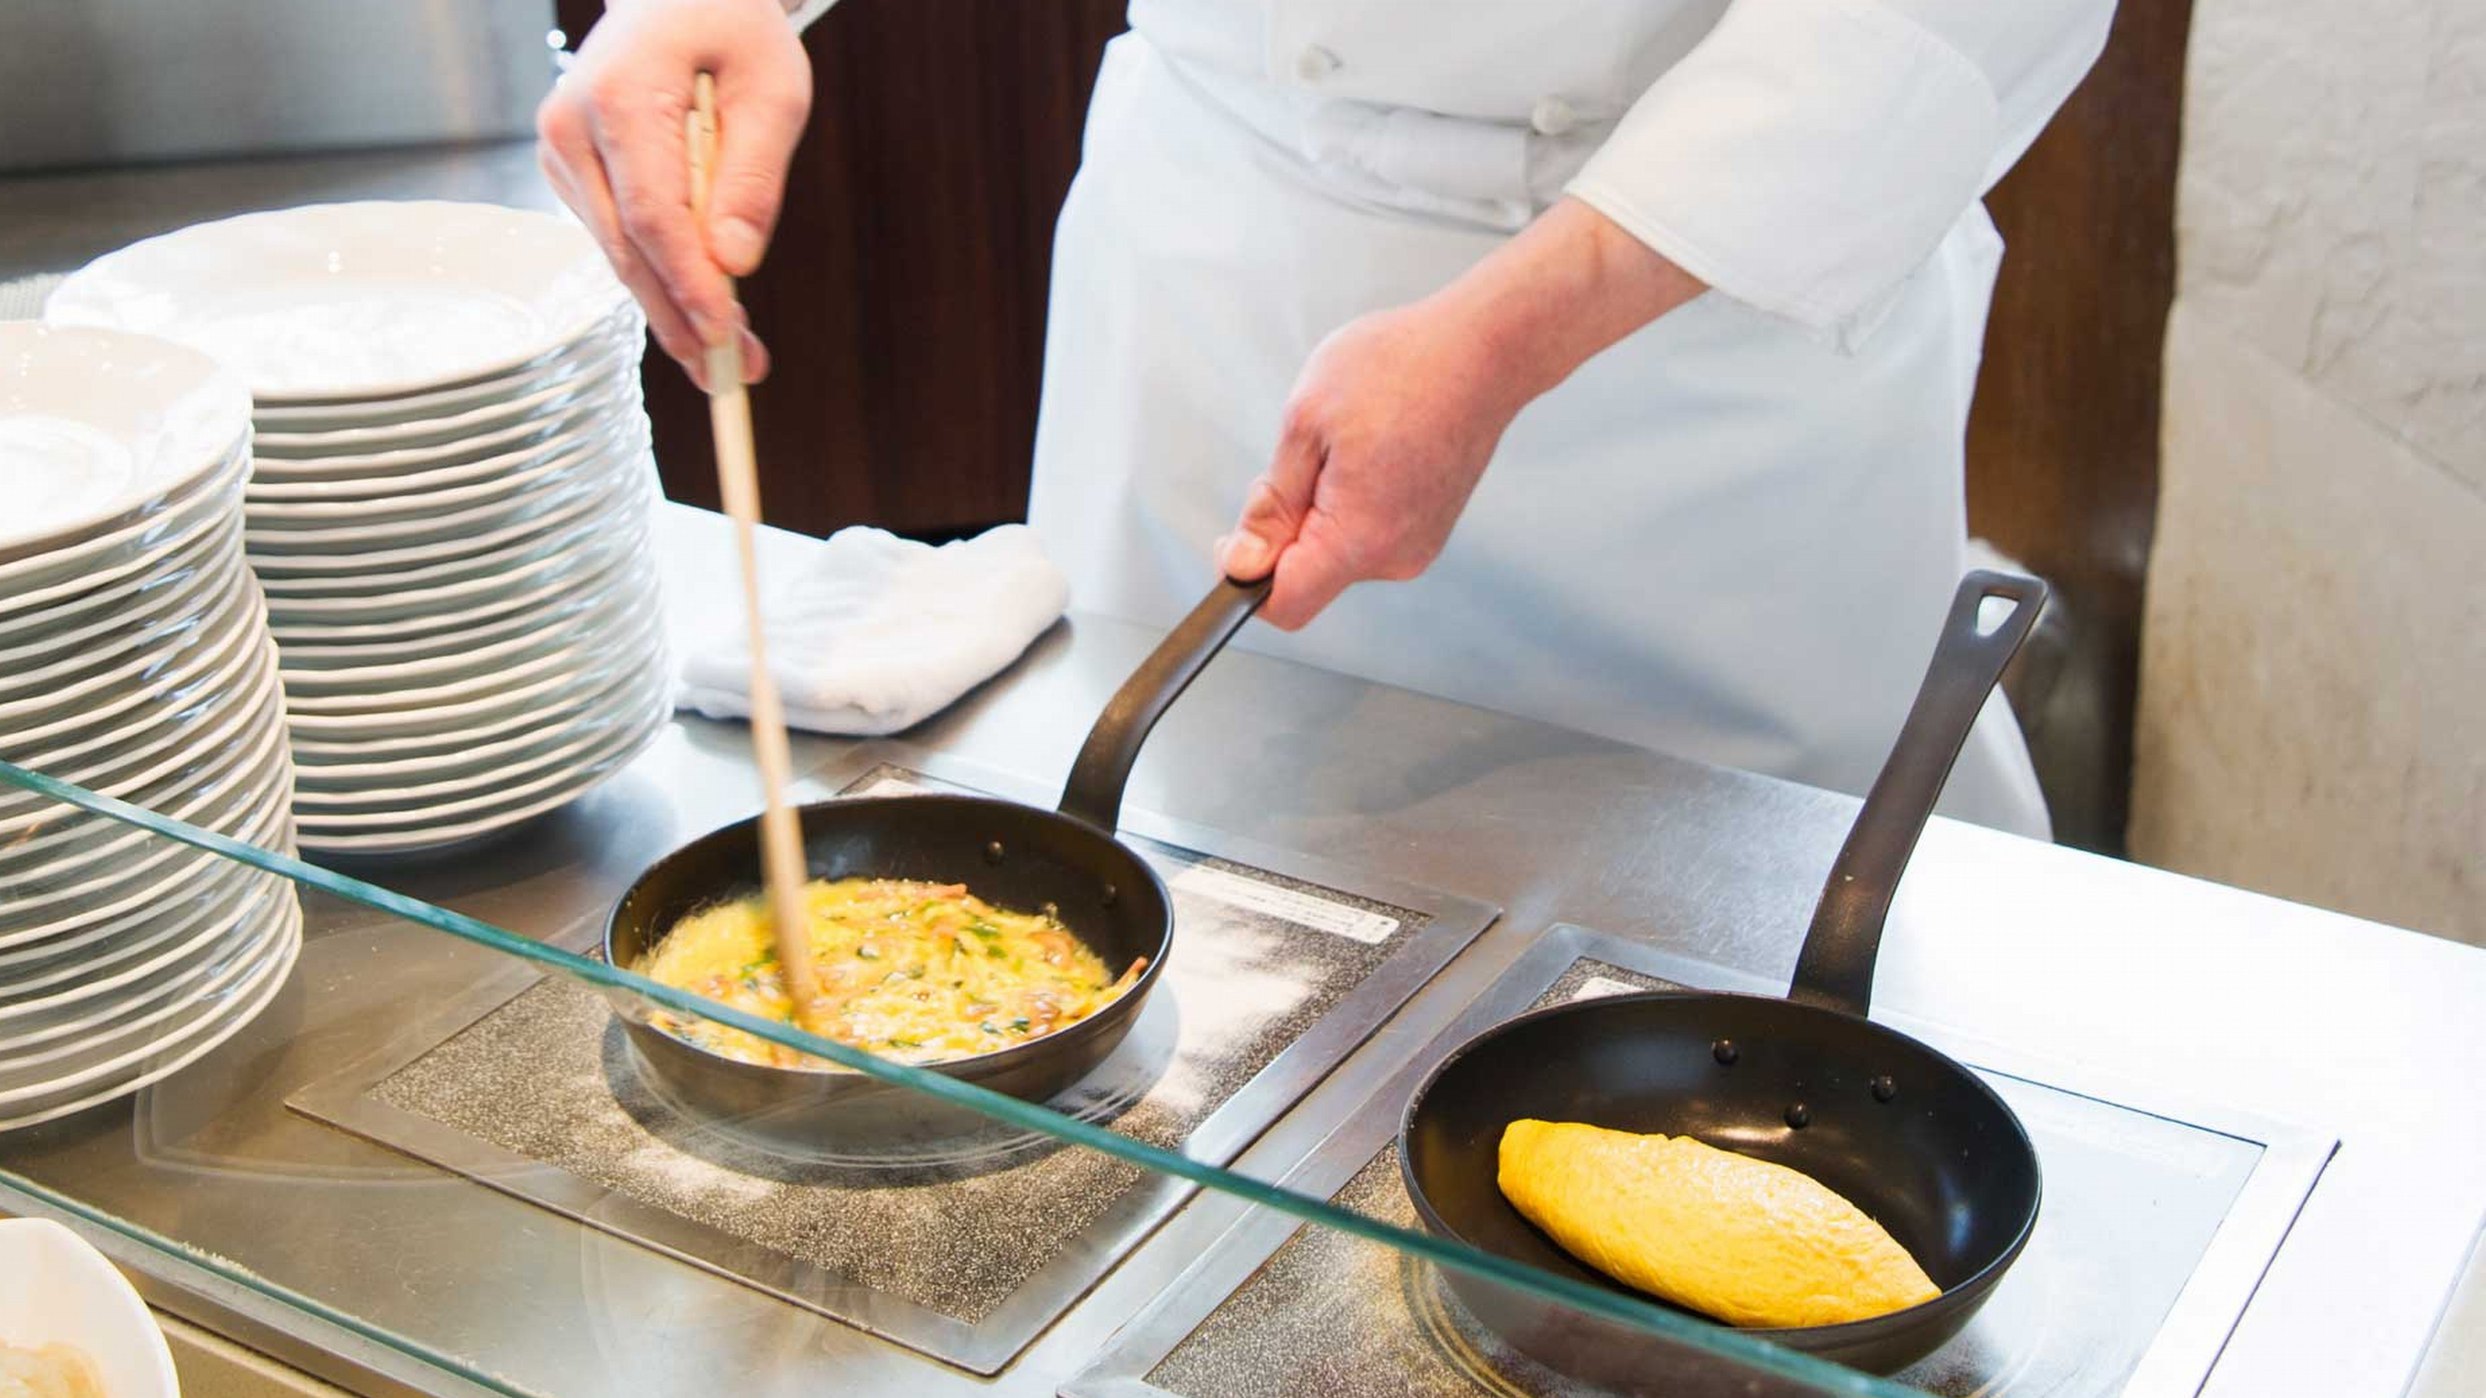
[[918, 972], [1746, 1241]]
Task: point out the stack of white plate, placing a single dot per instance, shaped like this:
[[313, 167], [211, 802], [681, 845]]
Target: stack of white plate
[[135, 661], [448, 503]]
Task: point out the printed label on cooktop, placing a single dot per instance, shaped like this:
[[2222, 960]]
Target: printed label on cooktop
[[1301, 909]]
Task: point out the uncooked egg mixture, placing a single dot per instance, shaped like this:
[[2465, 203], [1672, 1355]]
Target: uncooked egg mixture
[[917, 972]]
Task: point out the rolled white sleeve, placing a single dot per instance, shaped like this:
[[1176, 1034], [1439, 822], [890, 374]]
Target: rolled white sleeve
[[1808, 155]]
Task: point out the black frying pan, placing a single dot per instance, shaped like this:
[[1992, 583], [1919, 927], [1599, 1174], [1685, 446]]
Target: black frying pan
[[1015, 856], [1911, 1137]]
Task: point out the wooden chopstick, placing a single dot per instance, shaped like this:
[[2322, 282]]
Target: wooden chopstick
[[782, 861]]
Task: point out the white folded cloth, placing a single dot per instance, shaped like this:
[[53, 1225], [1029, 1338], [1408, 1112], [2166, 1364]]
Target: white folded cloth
[[870, 633]]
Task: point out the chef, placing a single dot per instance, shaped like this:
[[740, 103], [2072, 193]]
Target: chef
[[1623, 347]]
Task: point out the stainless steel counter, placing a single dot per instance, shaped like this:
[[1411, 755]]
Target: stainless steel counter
[[2114, 972]]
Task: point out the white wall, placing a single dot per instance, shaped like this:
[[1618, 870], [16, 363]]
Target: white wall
[[2313, 697]]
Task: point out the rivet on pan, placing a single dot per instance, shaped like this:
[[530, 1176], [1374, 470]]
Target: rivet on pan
[[992, 853], [1799, 1116], [1725, 1052], [1884, 1088], [1111, 893]]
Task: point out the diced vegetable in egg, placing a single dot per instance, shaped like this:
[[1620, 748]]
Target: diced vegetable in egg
[[918, 972]]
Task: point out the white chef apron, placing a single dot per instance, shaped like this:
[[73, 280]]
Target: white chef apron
[[1722, 538]]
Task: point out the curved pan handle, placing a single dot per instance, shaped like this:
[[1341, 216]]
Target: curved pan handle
[[1094, 791], [1835, 969]]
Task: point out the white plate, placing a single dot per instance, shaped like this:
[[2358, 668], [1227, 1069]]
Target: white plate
[[583, 552], [618, 706], [149, 628], [624, 331], [469, 616], [73, 576], [611, 397], [420, 832], [53, 980], [338, 794], [96, 426], [596, 695], [244, 940], [114, 1028], [309, 649], [76, 840], [171, 1055], [633, 646], [174, 752], [410, 499], [209, 677], [57, 1289], [41, 635], [215, 889], [91, 899], [248, 671], [67, 684], [579, 525], [499, 525], [550, 634], [356, 301], [598, 376]]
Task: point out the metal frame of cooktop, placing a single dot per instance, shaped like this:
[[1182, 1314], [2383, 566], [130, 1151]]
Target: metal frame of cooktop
[[989, 1345], [2179, 1357]]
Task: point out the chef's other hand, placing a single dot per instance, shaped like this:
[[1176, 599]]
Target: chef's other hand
[[1397, 413], [612, 144]]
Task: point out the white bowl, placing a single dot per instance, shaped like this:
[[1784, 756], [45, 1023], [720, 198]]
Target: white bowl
[[55, 1289], [357, 301], [97, 427]]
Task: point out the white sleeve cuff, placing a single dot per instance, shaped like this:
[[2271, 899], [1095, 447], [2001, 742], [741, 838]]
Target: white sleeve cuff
[[802, 12], [1804, 159]]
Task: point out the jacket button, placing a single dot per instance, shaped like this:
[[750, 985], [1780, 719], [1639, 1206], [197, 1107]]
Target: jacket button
[[1315, 63], [1553, 117]]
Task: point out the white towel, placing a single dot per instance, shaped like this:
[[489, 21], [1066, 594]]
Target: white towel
[[869, 633]]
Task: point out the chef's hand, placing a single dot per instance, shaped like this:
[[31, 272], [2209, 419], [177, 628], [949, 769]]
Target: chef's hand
[[612, 146], [1396, 414]]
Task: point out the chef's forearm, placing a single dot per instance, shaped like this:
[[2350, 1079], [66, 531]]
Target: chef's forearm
[[1569, 285]]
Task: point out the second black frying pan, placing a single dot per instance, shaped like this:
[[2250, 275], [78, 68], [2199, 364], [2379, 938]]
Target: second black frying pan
[[1912, 1137], [1013, 856]]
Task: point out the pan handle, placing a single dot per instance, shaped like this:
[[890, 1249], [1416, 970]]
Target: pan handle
[[1094, 792], [1835, 969]]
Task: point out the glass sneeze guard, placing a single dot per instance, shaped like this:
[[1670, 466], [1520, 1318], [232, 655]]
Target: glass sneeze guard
[[1694, 1356]]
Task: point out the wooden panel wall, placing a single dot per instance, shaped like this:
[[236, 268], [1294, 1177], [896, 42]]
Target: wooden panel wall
[[2063, 441], [904, 299]]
